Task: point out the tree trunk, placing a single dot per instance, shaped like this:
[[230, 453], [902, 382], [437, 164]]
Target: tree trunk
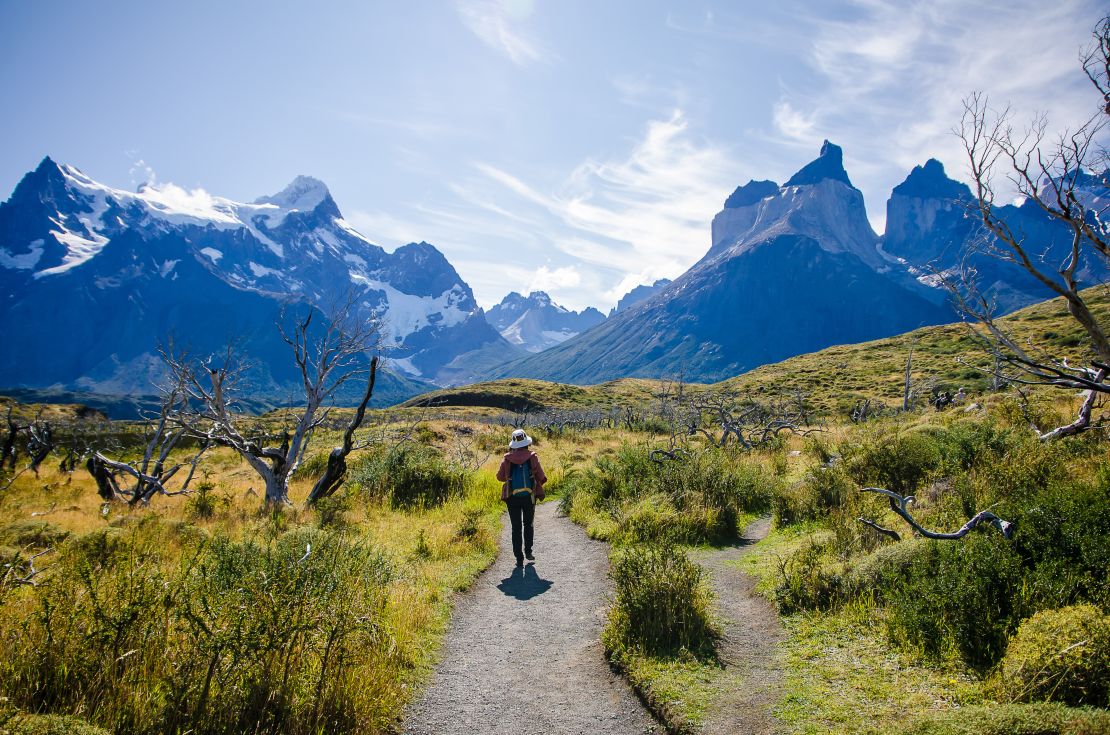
[[333, 476], [106, 485]]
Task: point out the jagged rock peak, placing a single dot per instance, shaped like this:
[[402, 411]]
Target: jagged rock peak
[[750, 193], [303, 194], [930, 182], [828, 165]]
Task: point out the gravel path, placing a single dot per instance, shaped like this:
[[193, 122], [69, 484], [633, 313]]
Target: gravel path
[[749, 647], [523, 655]]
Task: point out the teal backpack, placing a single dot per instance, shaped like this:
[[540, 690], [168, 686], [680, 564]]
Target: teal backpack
[[520, 477]]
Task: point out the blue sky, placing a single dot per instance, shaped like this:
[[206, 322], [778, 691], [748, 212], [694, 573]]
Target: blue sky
[[575, 146]]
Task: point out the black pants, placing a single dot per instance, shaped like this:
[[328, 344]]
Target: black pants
[[521, 513]]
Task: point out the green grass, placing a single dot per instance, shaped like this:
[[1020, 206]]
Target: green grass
[[842, 676], [835, 378]]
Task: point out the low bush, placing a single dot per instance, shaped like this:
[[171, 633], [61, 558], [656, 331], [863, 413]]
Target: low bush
[[205, 502], [1059, 655], [695, 499], [897, 460], [808, 581], [408, 476], [814, 498], [662, 605], [32, 533], [23, 724], [959, 598], [152, 631]]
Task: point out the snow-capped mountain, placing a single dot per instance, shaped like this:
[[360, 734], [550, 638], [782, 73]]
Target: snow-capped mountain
[[791, 269], [639, 294], [95, 277], [536, 323]]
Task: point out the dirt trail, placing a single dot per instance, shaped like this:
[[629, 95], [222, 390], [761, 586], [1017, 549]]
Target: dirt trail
[[523, 655], [749, 646]]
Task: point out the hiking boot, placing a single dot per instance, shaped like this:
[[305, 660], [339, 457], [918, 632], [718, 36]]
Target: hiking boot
[[529, 556]]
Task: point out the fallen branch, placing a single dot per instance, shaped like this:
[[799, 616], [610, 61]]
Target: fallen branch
[[884, 531], [28, 578], [900, 505]]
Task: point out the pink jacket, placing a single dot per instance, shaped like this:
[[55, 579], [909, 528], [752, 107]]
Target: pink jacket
[[520, 456]]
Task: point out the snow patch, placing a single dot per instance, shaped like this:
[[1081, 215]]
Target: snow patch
[[167, 267], [403, 314], [260, 271], [23, 261], [404, 364], [78, 250], [213, 254]]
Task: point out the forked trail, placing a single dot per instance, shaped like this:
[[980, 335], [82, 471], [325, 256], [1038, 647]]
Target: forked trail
[[749, 646], [523, 655]]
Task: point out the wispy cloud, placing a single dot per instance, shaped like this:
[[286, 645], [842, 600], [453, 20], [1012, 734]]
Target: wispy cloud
[[793, 124], [553, 279], [497, 23], [140, 171], [383, 228], [638, 217], [889, 77]]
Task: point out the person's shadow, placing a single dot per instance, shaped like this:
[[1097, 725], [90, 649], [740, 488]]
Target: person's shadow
[[524, 583]]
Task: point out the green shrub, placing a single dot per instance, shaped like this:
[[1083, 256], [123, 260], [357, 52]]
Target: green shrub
[[808, 582], [662, 605], [333, 511], [959, 597], [221, 637], [1012, 719], [21, 724], [409, 475], [1062, 534], [312, 468], [900, 461], [822, 491], [204, 502], [887, 568], [1059, 655], [696, 499]]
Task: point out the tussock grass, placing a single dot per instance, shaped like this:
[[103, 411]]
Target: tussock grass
[[205, 613]]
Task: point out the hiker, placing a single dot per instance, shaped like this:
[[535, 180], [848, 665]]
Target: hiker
[[524, 479]]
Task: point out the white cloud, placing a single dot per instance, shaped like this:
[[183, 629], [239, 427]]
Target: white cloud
[[383, 228], [141, 173], [496, 23], [633, 219], [553, 279], [889, 78], [793, 124]]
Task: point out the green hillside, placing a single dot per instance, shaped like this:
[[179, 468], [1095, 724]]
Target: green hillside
[[834, 378]]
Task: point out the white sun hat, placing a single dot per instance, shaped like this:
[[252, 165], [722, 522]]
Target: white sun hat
[[520, 439]]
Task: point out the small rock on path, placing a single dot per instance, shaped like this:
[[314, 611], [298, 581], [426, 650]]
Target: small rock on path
[[523, 655]]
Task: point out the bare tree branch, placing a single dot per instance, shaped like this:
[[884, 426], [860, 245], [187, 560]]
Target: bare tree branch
[[900, 505]]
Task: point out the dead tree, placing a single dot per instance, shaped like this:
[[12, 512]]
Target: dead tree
[[151, 473], [8, 447], [21, 571], [750, 422], [336, 470], [40, 443], [1051, 173], [900, 504], [326, 358]]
